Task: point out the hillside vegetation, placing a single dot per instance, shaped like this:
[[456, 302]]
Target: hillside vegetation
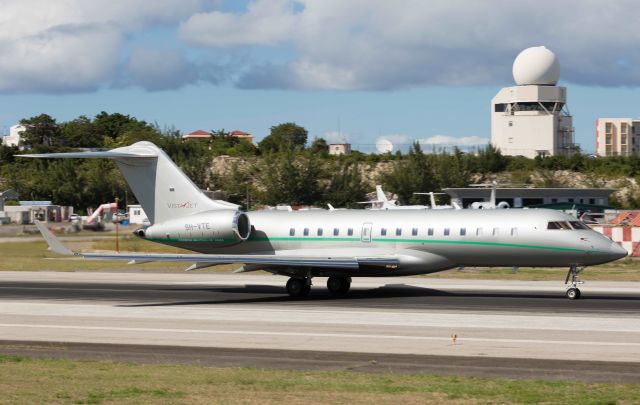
[[285, 167]]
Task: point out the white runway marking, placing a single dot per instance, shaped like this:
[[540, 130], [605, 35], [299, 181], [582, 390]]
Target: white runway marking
[[324, 335]]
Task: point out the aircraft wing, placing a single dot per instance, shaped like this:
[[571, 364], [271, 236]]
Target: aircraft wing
[[325, 261]]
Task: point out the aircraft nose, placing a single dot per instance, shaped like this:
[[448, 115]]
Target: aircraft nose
[[617, 251]]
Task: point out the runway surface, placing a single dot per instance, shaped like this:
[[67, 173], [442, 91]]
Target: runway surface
[[498, 325]]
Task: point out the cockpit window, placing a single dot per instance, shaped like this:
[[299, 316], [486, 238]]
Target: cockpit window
[[578, 225], [558, 225]]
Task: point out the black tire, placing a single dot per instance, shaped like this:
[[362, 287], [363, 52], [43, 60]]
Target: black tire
[[298, 287], [338, 285], [573, 293]]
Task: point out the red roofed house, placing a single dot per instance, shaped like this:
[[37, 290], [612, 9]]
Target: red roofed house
[[242, 135], [199, 134]]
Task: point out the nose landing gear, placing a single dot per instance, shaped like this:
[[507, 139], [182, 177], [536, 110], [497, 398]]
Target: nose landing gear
[[573, 292]]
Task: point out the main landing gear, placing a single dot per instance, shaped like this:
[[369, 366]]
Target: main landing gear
[[299, 287], [573, 292], [338, 285]]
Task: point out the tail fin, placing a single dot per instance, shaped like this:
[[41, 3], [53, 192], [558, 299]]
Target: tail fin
[[380, 194], [162, 189]]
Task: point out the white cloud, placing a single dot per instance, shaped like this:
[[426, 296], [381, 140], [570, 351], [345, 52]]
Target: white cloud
[[378, 44], [73, 45], [80, 45], [447, 140], [265, 22]]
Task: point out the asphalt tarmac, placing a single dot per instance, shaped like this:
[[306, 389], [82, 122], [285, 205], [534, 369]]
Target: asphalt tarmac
[[394, 295], [510, 329]]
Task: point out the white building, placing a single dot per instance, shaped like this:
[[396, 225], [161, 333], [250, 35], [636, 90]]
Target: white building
[[617, 136], [530, 119], [137, 214], [339, 148], [14, 137]]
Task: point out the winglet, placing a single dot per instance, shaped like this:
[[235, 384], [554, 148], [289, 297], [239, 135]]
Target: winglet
[[53, 242]]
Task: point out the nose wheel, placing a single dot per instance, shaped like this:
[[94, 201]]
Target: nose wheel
[[573, 292]]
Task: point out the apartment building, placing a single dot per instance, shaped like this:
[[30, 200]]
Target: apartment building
[[617, 136]]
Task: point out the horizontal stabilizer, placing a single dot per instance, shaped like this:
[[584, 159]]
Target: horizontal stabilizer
[[110, 154], [54, 243]]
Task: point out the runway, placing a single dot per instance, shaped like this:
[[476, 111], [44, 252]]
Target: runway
[[492, 320]]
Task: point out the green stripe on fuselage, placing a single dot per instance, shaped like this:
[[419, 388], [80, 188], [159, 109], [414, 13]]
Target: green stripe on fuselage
[[377, 240]]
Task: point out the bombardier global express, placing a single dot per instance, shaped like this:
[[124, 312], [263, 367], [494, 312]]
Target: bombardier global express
[[339, 244]]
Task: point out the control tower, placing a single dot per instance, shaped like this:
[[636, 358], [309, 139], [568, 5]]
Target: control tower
[[530, 119]]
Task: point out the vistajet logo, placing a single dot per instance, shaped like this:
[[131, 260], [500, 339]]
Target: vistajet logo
[[183, 205]]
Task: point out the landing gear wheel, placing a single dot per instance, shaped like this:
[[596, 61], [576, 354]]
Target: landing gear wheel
[[573, 293], [298, 287], [338, 285]]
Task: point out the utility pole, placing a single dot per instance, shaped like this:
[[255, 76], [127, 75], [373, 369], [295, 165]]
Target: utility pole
[[117, 228]]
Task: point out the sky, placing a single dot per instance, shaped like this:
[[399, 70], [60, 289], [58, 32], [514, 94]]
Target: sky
[[347, 70]]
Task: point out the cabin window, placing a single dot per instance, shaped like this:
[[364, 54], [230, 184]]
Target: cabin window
[[398, 231], [292, 232], [579, 225], [336, 231], [446, 231], [496, 231], [430, 232], [350, 231], [558, 225], [305, 232], [463, 231], [319, 232], [514, 231], [414, 232], [383, 231], [478, 231]]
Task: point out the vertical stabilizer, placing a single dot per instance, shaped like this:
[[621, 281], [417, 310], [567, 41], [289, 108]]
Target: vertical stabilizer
[[162, 189]]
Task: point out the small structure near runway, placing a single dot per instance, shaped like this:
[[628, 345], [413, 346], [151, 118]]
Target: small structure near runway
[[624, 230], [597, 199]]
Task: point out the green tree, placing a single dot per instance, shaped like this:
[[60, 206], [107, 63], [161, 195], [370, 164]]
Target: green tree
[[81, 132], [414, 173], [287, 136], [291, 179], [346, 187], [490, 160], [113, 125], [319, 146], [41, 130], [236, 185]]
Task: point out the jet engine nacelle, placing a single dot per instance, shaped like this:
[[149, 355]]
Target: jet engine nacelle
[[503, 205], [222, 227]]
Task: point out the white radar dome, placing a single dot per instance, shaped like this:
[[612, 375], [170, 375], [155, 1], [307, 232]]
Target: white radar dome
[[536, 65]]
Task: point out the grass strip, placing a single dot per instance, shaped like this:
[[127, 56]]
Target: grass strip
[[26, 380]]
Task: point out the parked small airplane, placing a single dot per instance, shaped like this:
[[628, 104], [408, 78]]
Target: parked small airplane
[[435, 206], [383, 203], [491, 204], [338, 244]]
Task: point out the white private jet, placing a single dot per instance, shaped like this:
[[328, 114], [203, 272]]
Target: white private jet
[[338, 244], [491, 204], [435, 206], [383, 203]]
